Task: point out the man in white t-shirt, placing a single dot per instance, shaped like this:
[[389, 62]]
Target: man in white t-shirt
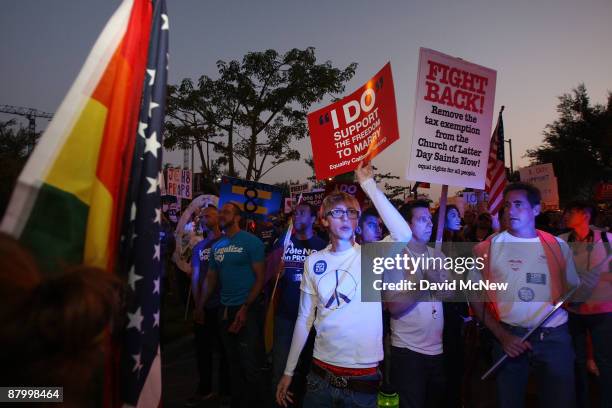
[[539, 270], [417, 321], [348, 345]]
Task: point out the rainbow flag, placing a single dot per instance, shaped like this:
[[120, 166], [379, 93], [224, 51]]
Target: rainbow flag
[[67, 206]]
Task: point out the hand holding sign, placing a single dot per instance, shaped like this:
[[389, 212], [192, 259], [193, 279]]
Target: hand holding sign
[[364, 172], [356, 128]]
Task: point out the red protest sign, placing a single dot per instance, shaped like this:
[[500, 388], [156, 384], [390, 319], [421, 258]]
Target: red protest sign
[[356, 128]]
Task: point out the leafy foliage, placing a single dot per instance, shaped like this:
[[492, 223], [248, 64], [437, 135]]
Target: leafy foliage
[[250, 115], [15, 148], [578, 144]]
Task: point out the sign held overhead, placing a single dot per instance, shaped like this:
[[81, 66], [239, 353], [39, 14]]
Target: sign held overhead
[[452, 121], [356, 128]]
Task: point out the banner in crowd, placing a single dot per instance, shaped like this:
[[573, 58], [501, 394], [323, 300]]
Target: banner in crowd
[[475, 199], [256, 200], [356, 128], [314, 198], [179, 182], [352, 188], [543, 177], [452, 121], [296, 189], [603, 192]]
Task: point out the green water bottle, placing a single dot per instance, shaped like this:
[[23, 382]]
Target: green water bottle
[[387, 398]]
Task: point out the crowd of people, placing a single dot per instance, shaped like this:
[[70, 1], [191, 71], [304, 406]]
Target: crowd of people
[[331, 348]]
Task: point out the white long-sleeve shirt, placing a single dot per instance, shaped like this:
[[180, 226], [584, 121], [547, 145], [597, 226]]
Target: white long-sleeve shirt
[[349, 331]]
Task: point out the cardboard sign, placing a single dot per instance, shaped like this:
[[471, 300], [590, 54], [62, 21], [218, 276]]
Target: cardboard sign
[[296, 189], [185, 186], [314, 198], [256, 200], [174, 180], [543, 177], [603, 192], [452, 121], [476, 200], [179, 182], [356, 128]]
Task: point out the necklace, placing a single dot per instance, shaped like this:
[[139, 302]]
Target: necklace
[[434, 311]]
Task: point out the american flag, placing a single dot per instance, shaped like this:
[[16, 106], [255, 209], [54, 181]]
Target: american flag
[[496, 169], [140, 364]]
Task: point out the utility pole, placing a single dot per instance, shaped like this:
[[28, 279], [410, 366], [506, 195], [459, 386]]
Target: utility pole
[[30, 114]]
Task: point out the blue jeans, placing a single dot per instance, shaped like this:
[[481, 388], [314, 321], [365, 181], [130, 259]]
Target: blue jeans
[[552, 360], [321, 394], [600, 328]]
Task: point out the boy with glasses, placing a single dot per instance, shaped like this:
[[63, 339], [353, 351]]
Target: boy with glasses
[[348, 345]]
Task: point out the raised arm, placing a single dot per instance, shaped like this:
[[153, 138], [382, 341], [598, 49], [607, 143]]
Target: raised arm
[[398, 227]]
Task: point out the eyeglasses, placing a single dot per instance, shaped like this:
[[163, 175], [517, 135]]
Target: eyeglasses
[[338, 213]]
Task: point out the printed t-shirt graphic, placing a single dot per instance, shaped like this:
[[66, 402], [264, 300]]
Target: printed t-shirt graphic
[[522, 263], [289, 284], [232, 258], [200, 257], [349, 331]]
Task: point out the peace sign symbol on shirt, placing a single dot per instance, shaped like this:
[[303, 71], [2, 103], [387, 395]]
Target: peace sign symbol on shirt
[[337, 289]]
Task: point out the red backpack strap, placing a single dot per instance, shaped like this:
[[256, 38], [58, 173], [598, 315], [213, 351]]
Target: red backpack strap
[[556, 264], [483, 250]]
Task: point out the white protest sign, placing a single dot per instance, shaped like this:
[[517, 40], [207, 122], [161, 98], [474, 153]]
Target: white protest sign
[[185, 186], [179, 182], [296, 189], [452, 121], [174, 181], [543, 177]]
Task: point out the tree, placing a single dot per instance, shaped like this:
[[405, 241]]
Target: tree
[[253, 112], [578, 144], [15, 148]]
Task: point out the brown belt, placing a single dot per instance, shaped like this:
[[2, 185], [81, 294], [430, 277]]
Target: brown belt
[[366, 387]]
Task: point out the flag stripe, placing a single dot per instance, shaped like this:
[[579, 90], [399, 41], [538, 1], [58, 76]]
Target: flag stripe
[[98, 244], [45, 152], [75, 167], [56, 227], [128, 70], [496, 171], [140, 250], [150, 395]]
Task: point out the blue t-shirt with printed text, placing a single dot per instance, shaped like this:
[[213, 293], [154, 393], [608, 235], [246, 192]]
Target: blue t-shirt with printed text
[[289, 284], [232, 258], [200, 257]]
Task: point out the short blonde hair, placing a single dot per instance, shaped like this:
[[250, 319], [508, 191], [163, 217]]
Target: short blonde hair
[[330, 201]]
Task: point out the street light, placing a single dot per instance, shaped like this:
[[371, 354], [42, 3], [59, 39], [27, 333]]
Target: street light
[[509, 141]]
